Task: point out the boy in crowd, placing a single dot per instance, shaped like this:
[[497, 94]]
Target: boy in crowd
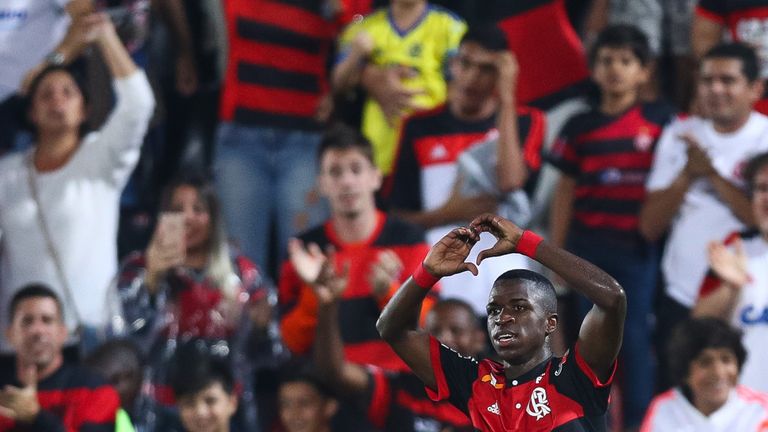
[[305, 404], [604, 156]]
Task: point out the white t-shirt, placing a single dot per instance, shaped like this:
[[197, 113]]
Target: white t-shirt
[[80, 202], [745, 411], [29, 30], [703, 216]]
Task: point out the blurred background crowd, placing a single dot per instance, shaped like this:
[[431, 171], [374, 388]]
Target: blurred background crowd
[[173, 172]]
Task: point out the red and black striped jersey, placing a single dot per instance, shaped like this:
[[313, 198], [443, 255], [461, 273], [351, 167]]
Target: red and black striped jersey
[[610, 158], [398, 402], [72, 399], [553, 66], [358, 308], [559, 394], [277, 66], [430, 144]]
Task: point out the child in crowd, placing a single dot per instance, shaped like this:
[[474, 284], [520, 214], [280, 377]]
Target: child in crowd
[[604, 156], [305, 404]]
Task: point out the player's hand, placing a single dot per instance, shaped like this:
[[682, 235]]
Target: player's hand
[[384, 272], [20, 404], [506, 64], [699, 164], [447, 256], [730, 265], [506, 232]]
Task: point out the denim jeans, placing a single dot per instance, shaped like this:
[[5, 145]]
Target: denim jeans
[[267, 176], [635, 266]]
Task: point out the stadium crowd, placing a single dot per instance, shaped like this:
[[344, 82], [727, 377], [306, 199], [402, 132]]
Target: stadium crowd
[[302, 215]]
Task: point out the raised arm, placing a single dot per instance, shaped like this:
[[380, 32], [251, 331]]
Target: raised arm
[[602, 330], [511, 172], [317, 270], [398, 323]]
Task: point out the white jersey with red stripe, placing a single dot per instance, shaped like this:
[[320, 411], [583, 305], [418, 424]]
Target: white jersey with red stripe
[[746, 410]]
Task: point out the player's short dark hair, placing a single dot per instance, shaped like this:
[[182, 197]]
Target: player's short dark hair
[[622, 36], [693, 336], [547, 296], [754, 166], [196, 369], [750, 66], [341, 137], [487, 36], [33, 290]]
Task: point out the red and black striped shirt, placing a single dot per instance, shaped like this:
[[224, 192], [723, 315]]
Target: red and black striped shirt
[[72, 399], [277, 66], [358, 308], [610, 158]]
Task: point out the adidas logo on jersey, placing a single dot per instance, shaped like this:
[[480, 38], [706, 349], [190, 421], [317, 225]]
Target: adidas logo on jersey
[[494, 408]]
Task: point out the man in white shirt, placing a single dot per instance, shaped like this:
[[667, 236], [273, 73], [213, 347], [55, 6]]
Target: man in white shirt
[[696, 188]]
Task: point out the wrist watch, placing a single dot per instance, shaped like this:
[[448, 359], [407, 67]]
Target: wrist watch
[[55, 58]]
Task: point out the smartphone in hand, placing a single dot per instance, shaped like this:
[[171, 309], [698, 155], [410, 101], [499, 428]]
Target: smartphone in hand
[[172, 231]]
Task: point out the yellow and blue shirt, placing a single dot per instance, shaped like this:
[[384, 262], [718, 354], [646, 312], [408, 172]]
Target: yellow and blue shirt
[[424, 48]]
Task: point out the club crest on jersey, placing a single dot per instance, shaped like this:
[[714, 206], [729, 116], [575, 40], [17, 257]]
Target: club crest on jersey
[[489, 378], [538, 406], [643, 140]]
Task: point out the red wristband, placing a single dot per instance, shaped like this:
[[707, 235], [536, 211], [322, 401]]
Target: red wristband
[[528, 243], [423, 278]]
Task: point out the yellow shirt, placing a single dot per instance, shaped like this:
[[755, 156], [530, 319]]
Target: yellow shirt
[[424, 48]]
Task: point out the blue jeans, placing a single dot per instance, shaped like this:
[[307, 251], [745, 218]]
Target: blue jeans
[[265, 176], [635, 266]]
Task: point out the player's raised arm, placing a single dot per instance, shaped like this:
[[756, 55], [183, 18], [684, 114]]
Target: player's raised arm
[[602, 330], [398, 323]]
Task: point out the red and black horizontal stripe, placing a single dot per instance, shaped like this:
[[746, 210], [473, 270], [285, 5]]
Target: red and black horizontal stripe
[[277, 67], [610, 158]]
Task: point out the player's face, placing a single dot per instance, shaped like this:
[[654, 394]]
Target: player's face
[[349, 181], [455, 327], [57, 104], [517, 324], [208, 410], [711, 377], [760, 200], [474, 75], [618, 71], [303, 408], [725, 93], [37, 332], [197, 218]]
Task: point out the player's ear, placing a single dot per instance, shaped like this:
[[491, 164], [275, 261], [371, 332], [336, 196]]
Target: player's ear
[[551, 324]]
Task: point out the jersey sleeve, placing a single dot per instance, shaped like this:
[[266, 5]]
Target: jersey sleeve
[[454, 375], [564, 155], [711, 281], [297, 305], [403, 189], [574, 378], [668, 160], [713, 10]]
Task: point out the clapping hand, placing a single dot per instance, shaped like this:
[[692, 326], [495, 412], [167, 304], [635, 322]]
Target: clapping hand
[[729, 265], [317, 270]]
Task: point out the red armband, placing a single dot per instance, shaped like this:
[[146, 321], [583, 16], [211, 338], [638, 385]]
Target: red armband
[[423, 278], [528, 243]]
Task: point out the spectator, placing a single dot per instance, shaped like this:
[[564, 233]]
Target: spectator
[[393, 401], [604, 156], [705, 357], [695, 187], [205, 390], [119, 361], [59, 199], [379, 250], [559, 393], [398, 54], [305, 404], [188, 285], [736, 287], [715, 20], [481, 106], [274, 103], [34, 34], [40, 391]]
